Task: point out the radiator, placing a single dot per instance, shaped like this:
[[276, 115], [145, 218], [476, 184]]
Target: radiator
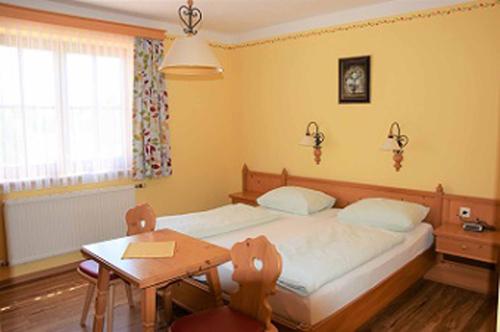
[[46, 226]]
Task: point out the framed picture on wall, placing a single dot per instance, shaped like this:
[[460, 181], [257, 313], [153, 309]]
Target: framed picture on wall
[[354, 80]]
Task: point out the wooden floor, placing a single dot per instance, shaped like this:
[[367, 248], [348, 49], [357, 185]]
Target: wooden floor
[[429, 306], [54, 304]]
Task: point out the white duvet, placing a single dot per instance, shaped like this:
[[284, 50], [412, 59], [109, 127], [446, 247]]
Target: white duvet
[[322, 251], [217, 221], [328, 252]]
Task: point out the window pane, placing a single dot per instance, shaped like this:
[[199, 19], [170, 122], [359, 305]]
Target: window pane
[[112, 133], [83, 134], [38, 75], [42, 135], [110, 72], [9, 76], [11, 135], [79, 78]]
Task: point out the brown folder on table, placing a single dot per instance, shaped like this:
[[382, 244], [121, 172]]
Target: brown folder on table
[[149, 250]]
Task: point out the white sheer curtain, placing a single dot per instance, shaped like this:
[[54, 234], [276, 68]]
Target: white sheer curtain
[[65, 105]]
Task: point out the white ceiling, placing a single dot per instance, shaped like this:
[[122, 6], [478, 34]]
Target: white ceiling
[[229, 16], [233, 21]]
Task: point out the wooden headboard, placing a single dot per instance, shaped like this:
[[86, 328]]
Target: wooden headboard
[[444, 207], [345, 192]]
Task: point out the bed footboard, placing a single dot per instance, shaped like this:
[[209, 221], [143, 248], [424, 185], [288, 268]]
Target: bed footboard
[[357, 313], [195, 296]]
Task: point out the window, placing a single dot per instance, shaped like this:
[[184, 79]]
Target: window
[[65, 105]]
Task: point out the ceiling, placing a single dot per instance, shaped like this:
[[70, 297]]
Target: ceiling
[[228, 16], [235, 21]]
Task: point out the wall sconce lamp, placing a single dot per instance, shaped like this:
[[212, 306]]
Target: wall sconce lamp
[[314, 138], [395, 142]]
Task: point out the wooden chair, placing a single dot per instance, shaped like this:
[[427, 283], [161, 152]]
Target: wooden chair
[[140, 219], [257, 266]]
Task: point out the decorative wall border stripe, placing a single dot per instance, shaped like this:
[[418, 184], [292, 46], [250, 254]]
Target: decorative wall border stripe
[[362, 25]]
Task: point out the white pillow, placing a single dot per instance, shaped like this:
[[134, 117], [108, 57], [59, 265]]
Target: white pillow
[[384, 213], [296, 200]]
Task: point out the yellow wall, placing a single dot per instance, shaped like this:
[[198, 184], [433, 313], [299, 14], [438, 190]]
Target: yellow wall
[[439, 77], [498, 167], [498, 162], [204, 146], [498, 146]]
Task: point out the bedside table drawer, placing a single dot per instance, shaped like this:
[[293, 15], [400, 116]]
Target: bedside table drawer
[[467, 249]]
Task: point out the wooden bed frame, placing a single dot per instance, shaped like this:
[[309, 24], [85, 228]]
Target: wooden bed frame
[[195, 296]]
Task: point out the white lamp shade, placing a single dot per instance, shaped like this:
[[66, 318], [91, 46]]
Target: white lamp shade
[[307, 140], [390, 144], [190, 56]]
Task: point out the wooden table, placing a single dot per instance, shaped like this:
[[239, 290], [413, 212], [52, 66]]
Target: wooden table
[[192, 257]]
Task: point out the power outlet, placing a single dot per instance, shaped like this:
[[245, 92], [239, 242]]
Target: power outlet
[[464, 212]]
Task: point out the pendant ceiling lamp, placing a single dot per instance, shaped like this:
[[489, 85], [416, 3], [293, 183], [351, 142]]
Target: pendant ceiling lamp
[[190, 55]]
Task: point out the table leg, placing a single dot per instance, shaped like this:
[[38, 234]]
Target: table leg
[[214, 284], [148, 309], [167, 304], [101, 298], [440, 257]]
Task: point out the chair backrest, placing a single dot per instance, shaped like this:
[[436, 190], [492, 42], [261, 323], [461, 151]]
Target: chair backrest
[[140, 219], [257, 266]]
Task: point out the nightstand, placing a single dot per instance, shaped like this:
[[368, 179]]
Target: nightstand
[[466, 259], [245, 197], [451, 239]]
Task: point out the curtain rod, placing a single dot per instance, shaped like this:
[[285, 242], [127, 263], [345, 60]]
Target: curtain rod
[[43, 16]]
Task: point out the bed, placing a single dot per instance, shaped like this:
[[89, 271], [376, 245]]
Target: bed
[[346, 302]]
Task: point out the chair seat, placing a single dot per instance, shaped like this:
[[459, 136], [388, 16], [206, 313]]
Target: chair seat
[[91, 268], [222, 319]]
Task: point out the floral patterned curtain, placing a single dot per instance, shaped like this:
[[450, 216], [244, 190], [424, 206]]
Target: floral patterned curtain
[[151, 139]]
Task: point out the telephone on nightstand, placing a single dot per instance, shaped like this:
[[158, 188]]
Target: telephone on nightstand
[[477, 226]]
